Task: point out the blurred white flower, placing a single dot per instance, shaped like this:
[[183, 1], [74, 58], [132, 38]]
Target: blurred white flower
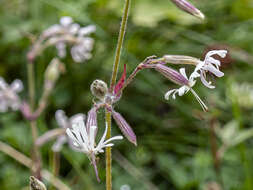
[[64, 122], [210, 65], [125, 187], [68, 32], [8, 95]]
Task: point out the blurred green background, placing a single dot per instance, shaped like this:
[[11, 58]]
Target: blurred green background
[[174, 137]]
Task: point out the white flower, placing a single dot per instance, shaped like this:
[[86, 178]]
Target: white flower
[[212, 65], [8, 95], [84, 139], [64, 122], [185, 88]]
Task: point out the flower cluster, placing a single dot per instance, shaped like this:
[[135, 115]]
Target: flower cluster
[[69, 32], [9, 95]]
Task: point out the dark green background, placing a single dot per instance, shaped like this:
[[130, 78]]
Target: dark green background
[[173, 149]]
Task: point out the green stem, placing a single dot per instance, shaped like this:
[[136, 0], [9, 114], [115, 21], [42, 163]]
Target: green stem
[[31, 88], [112, 84], [108, 153], [119, 44]]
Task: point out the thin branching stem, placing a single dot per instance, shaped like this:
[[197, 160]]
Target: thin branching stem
[[31, 88], [23, 159]]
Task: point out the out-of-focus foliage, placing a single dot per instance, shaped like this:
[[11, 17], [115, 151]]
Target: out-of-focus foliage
[[173, 149]]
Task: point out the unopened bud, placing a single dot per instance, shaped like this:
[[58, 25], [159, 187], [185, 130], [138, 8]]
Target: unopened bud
[[54, 69], [99, 89], [172, 74], [189, 8], [36, 184], [180, 59]]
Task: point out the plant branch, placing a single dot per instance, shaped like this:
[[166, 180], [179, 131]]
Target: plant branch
[[21, 158], [31, 88]]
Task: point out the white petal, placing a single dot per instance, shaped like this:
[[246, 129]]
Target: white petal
[[57, 146], [61, 119], [87, 30], [73, 29], [92, 135], [66, 21], [207, 84], [213, 70], [71, 136], [216, 62], [167, 95], [181, 91], [17, 85], [101, 142], [113, 138], [182, 71], [3, 84], [221, 53]]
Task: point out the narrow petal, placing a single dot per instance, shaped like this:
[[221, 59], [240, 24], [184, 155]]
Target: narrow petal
[[167, 95], [216, 62], [207, 84], [221, 53], [182, 71], [214, 70], [113, 138]]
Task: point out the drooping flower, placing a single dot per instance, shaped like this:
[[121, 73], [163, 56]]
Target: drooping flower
[[84, 140], [9, 95], [181, 79], [210, 65]]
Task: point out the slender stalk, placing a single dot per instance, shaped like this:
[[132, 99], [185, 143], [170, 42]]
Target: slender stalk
[[119, 44], [31, 88], [23, 159], [112, 84], [108, 152]]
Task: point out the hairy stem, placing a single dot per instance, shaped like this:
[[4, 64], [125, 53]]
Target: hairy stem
[[108, 153], [119, 44], [31, 88], [112, 84]]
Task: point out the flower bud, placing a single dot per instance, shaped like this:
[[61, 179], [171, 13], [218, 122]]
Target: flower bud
[[53, 70], [171, 74], [36, 184], [189, 8], [124, 127], [180, 59], [99, 89]]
